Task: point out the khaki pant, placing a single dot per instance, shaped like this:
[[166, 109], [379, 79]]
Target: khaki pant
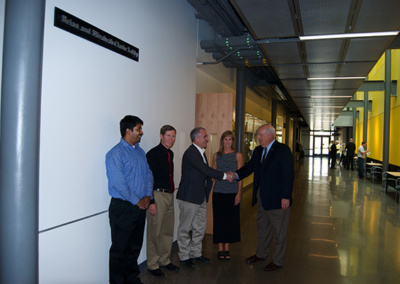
[[272, 223], [160, 231], [192, 216]]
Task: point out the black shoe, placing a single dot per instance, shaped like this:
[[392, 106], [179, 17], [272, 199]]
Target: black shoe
[[171, 267], [156, 272], [202, 259], [253, 258], [271, 267], [188, 263]]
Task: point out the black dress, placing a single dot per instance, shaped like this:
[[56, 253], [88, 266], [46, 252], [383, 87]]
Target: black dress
[[226, 213]]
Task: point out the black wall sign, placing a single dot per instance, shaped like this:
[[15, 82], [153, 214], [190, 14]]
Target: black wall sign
[[74, 25]]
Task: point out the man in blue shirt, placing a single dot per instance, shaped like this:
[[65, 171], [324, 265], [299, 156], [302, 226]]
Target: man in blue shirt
[[130, 184]]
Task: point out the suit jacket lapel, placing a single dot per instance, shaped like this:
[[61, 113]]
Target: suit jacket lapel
[[205, 157], [198, 153], [270, 153]]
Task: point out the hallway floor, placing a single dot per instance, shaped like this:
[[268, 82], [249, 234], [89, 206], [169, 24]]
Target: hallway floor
[[342, 230]]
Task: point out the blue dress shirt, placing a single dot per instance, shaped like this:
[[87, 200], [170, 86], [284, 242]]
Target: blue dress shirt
[[268, 147], [128, 173]]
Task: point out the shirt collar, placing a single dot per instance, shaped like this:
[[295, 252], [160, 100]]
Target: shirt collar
[[126, 144], [270, 145], [164, 149], [200, 150]]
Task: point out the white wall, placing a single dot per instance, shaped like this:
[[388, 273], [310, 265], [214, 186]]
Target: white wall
[[86, 90]]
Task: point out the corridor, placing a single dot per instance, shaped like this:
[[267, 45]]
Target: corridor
[[343, 230]]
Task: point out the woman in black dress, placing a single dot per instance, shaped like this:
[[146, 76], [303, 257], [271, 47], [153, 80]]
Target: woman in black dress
[[226, 196]]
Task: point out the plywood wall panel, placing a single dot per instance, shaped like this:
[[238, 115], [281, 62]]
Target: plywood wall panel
[[214, 112]]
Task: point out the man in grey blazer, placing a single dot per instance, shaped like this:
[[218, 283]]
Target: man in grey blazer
[[193, 193]]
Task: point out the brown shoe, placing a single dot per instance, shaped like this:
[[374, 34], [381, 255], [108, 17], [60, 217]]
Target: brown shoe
[[253, 258], [271, 267]]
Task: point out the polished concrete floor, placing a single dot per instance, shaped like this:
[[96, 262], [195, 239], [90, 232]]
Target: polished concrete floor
[[342, 230]]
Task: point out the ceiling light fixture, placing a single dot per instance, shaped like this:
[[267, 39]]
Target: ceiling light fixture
[[349, 35], [336, 78], [325, 114], [328, 107], [329, 97]]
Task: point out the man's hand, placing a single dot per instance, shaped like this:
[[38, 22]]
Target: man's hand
[[153, 209], [285, 203], [230, 176], [144, 203]]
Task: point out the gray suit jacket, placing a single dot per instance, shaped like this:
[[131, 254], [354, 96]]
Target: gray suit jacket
[[196, 181]]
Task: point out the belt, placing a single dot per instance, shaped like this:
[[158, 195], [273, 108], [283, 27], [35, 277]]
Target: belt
[[163, 190]]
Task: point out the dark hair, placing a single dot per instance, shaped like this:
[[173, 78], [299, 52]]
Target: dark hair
[[195, 132], [227, 133], [130, 122], [166, 128], [363, 142]]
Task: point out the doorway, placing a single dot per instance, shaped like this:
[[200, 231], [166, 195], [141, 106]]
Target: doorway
[[321, 144]]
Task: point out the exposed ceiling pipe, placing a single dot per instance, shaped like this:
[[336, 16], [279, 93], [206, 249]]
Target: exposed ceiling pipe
[[223, 58], [235, 45], [242, 54], [248, 63], [243, 40], [222, 23]]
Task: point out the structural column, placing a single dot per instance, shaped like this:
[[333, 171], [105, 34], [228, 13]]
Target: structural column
[[354, 123], [386, 115], [365, 128], [287, 128], [19, 144], [240, 108], [273, 112]]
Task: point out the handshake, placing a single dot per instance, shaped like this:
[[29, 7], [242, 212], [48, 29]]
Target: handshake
[[230, 176]]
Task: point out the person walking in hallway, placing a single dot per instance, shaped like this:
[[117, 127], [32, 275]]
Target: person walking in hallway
[[160, 215], [351, 149], [332, 154], [193, 193], [130, 184], [273, 167], [362, 150], [299, 148]]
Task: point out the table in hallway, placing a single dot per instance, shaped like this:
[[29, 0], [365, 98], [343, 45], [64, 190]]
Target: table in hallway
[[393, 174]]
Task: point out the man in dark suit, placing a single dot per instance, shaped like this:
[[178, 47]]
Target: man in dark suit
[[351, 149], [273, 167], [332, 154], [193, 193]]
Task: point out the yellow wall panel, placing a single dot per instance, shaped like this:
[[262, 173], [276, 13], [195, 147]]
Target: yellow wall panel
[[376, 116], [394, 148], [375, 140]]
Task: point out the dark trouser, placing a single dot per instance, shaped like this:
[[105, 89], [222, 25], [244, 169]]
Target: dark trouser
[[343, 160], [350, 161], [127, 226], [360, 162], [333, 160]]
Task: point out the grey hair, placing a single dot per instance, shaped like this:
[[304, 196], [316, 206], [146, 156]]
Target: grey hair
[[195, 132]]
